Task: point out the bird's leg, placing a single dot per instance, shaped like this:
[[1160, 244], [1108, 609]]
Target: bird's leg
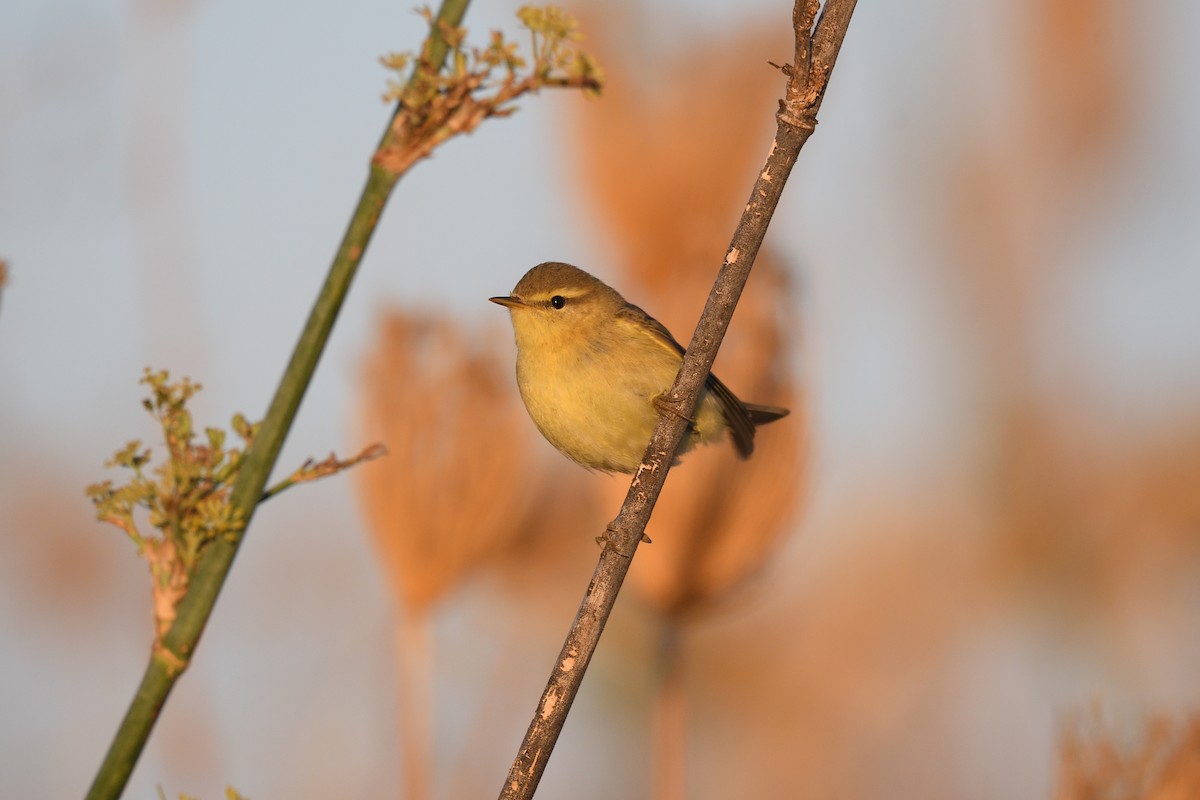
[[665, 406]]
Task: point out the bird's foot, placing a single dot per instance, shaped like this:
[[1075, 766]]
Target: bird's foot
[[665, 406]]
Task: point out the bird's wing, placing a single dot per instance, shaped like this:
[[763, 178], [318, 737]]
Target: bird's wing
[[738, 419]]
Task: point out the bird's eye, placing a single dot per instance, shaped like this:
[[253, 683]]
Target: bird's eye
[[558, 301]]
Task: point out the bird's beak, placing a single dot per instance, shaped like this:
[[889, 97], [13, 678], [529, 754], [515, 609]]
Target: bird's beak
[[508, 302]]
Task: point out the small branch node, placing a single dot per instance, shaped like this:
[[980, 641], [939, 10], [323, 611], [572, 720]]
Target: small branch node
[[172, 662], [608, 540]]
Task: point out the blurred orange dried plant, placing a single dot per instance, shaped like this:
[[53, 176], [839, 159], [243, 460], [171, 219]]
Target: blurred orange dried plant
[[667, 172], [458, 481], [1165, 767], [1073, 506], [1094, 531], [722, 517], [454, 491]]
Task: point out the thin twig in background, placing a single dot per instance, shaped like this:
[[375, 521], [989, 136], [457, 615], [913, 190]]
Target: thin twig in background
[[816, 53]]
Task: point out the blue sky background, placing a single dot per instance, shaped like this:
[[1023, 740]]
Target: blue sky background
[[173, 183]]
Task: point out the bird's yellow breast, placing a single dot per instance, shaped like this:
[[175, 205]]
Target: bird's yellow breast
[[590, 389]]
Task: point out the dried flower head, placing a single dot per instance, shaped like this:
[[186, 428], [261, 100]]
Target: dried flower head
[[458, 483]]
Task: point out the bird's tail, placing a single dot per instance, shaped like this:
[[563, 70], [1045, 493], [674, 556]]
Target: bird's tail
[[761, 415], [749, 417]]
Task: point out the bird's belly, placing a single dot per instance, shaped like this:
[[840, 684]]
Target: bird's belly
[[598, 421]]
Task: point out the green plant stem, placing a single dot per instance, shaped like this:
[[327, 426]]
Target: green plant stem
[[171, 657]]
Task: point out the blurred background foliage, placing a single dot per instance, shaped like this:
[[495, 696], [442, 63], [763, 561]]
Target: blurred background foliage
[[967, 565]]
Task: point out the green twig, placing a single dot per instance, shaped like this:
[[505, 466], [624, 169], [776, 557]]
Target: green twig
[[172, 656], [312, 470]]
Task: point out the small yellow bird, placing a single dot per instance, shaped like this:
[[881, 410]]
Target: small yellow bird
[[592, 368]]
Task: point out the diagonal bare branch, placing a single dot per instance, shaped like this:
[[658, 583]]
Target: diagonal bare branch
[[816, 52]]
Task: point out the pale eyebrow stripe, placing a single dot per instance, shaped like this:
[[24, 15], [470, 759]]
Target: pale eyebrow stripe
[[566, 293]]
